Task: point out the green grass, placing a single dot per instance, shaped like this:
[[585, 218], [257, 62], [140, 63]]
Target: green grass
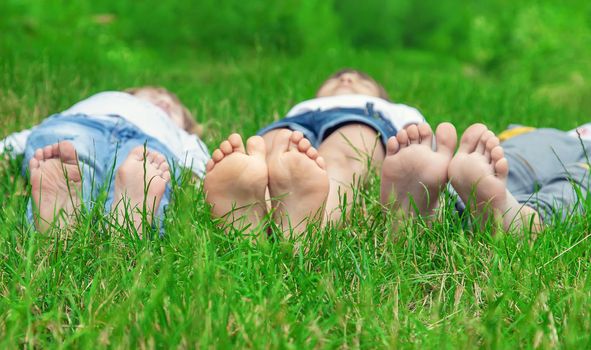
[[356, 284]]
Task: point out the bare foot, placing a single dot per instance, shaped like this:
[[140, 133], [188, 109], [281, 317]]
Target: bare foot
[[298, 182], [56, 184], [412, 173], [134, 200], [478, 172], [236, 182]]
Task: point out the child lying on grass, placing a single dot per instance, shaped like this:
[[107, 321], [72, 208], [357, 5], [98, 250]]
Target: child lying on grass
[[526, 180], [309, 161], [131, 136]]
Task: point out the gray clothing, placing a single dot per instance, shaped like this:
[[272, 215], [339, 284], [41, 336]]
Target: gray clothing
[[547, 167]]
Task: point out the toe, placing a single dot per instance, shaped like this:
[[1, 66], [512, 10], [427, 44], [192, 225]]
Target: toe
[[491, 143], [226, 147], [392, 146], [425, 134], [502, 168], [471, 137], [166, 176], [304, 145], [446, 138], [155, 159], [209, 165], [312, 153], [497, 153], [38, 154], [34, 163], [402, 138], [138, 152], [481, 147], [217, 155], [48, 152], [151, 157], [235, 141], [159, 160], [296, 137], [281, 142], [321, 163], [255, 145], [413, 134], [164, 166], [67, 151]]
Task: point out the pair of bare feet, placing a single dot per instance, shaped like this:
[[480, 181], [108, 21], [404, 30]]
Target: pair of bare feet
[[413, 174], [238, 178], [56, 186]]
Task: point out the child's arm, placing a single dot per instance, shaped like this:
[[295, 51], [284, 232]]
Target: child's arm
[[14, 144]]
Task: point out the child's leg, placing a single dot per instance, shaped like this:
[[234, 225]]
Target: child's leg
[[64, 158], [140, 185], [478, 172], [349, 152], [413, 174], [56, 184], [298, 182], [236, 182]]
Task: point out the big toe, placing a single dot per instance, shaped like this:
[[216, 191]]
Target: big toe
[[471, 138], [138, 153], [282, 141], [446, 138], [255, 146], [67, 152]]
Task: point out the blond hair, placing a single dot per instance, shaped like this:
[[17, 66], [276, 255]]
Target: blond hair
[[189, 123]]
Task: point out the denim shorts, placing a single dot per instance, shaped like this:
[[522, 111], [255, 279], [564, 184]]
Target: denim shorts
[[318, 125], [102, 145]]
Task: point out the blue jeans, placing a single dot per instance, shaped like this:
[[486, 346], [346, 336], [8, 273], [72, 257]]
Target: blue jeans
[[318, 125], [102, 145]]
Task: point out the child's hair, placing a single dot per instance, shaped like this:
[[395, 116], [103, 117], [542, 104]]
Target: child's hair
[[382, 91], [189, 123]]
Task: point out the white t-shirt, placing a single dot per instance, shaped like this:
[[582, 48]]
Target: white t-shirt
[[400, 115], [189, 150]]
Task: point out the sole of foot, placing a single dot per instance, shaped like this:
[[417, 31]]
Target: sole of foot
[[56, 185], [135, 202], [478, 172], [413, 174], [298, 182], [236, 181]]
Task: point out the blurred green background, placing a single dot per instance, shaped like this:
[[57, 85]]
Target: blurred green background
[[241, 64]]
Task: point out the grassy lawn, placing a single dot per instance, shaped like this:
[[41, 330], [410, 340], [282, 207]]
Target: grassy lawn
[[357, 284]]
